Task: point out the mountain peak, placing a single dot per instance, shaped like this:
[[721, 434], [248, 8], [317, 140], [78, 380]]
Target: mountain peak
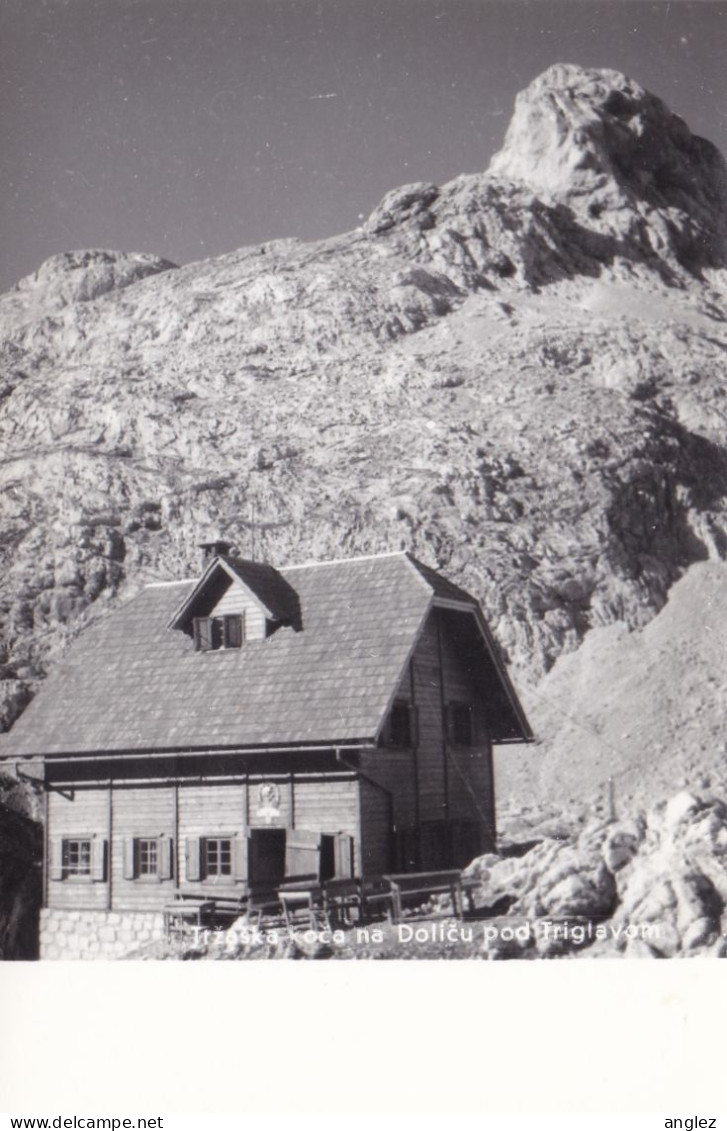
[[598, 142]]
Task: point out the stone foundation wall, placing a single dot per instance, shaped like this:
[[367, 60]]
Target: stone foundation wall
[[97, 934]]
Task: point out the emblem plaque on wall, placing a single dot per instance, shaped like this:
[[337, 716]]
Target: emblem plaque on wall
[[268, 801]]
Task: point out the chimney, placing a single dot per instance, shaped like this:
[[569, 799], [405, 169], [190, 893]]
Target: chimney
[[216, 549]]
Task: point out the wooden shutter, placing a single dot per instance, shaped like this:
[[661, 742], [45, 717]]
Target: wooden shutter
[[164, 857], [129, 858], [233, 636], [193, 858], [98, 859], [203, 634], [239, 858], [55, 864], [302, 853], [343, 856]]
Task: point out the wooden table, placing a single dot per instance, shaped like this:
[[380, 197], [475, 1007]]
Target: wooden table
[[187, 910]]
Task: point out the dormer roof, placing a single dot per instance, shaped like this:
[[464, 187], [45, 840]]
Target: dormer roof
[[132, 684], [261, 583]]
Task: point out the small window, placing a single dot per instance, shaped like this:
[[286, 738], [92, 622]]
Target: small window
[[460, 724], [218, 856], [211, 633], [148, 856], [398, 729], [76, 857]]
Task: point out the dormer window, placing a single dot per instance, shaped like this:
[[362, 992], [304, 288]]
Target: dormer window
[[212, 633], [236, 602]]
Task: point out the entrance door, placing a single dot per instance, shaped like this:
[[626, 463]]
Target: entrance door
[[267, 857]]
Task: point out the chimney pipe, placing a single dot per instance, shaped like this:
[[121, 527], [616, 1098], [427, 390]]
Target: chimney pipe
[[215, 549]]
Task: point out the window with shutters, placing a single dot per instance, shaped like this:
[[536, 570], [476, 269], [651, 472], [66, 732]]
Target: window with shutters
[[218, 856], [77, 858], [213, 633], [148, 857], [460, 724]]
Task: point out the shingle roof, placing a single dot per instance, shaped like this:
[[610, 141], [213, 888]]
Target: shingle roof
[[129, 683]]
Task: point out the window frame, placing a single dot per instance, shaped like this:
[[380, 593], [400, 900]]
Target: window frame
[[161, 847], [150, 846], [195, 858], [78, 858], [75, 874], [222, 633], [217, 875]]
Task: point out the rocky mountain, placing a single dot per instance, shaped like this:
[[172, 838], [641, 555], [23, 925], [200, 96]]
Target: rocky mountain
[[631, 716], [517, 375]]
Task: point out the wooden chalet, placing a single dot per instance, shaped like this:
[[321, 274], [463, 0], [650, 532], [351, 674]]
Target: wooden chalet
[[333, 719]]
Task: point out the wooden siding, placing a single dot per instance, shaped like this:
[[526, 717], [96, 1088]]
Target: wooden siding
[[141, 811], [438, 783], [330, 805], [376, 833], [236, 600], [395, 771], [427, 697], [213, 810], [83, 815], [185, 811], [469, 778]]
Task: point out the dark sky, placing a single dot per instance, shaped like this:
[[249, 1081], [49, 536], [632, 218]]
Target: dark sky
[[191, 127]]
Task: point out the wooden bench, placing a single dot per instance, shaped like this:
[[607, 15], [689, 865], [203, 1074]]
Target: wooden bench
[[343, 902], [470, 884], [264, 908], [227, 908], [304, 905], [377, 895], [423, 885]]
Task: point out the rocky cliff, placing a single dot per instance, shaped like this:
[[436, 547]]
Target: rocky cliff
[[517, 375]]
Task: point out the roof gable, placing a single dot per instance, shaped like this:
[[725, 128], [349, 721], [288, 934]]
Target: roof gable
[[127, 684], [259, 583]]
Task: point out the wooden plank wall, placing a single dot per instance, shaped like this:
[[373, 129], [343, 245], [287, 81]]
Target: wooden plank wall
[[321, 803], [470, 783], [208, 810], [236, 600], [396, 772], [140, 811], [83, 816], [428, 784], [427, 697], [375, 840]]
